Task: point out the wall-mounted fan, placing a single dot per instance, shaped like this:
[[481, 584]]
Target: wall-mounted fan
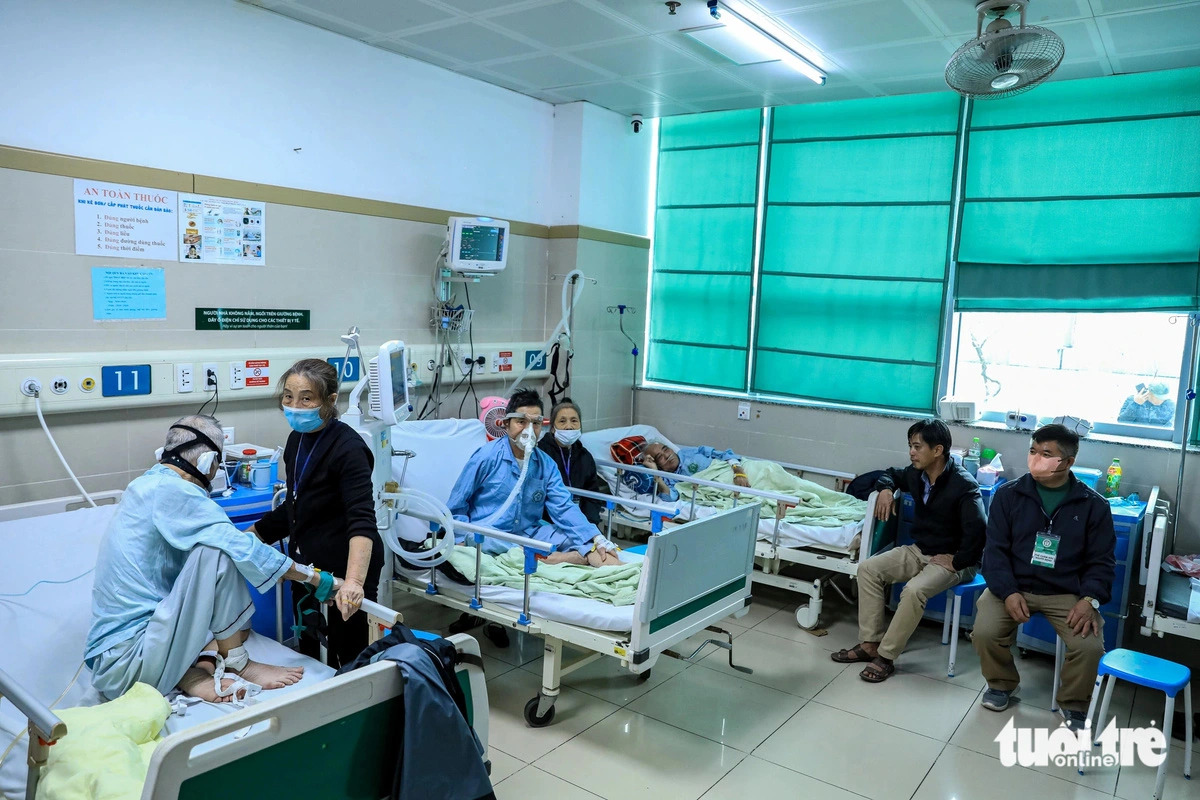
[[1004, 60]]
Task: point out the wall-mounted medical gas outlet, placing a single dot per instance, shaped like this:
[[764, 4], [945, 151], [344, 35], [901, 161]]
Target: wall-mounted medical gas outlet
[[228, 435], [92, 381], [183, 378], [744, 411]]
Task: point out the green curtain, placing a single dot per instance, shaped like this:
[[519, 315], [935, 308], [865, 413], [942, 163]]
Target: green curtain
[[854, 250], [704, 249], [1084, 196]]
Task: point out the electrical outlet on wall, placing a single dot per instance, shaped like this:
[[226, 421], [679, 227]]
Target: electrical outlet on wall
[[184, 382], [209, 371], [743, 411], [237, 375], [228, 435]]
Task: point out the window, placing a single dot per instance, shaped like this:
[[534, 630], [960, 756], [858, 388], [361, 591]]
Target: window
[[1120, 371]]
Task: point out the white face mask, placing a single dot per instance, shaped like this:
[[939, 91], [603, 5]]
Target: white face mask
[[567, 437]]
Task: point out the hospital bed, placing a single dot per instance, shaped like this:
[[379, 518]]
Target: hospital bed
[[340, 726], [780, 543], [693, 576], [1165, 608]]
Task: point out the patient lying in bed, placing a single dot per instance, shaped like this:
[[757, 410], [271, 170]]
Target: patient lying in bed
[[481, 493], [686, 461]]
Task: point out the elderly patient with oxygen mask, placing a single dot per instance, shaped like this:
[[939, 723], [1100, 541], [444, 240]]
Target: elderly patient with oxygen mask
[[509, 483], [170, 606]]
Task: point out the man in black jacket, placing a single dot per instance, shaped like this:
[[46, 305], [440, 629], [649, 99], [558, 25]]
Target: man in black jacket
[[948, 528], [1049, 549]]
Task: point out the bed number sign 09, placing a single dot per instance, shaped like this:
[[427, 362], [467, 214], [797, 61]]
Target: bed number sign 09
[[125, 380]]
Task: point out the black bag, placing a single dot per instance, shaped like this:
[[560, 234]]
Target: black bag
[[440, 651]]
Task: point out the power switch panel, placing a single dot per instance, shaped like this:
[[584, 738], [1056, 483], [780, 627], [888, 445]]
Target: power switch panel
[[184, 379], [237, 375]]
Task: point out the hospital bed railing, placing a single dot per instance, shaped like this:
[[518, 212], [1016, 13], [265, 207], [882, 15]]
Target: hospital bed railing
[[657, 512], [45, 728], [782, 501], [1154, 622]]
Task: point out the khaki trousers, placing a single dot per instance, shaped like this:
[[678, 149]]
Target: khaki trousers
[[878, 573], [995, 631]]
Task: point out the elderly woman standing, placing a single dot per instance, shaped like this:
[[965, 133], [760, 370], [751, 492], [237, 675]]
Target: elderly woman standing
[[328, 513]]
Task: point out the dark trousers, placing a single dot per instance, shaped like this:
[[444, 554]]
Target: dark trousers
[[347, 638]]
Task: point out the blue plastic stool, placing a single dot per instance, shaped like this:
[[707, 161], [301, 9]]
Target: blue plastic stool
[[1153, 673], [949, 627]]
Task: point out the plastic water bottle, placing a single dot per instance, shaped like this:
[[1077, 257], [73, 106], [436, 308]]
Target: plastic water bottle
[[971, 462], [1112, 484]]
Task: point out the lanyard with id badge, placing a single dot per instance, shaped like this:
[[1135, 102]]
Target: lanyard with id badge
[[1045, 549]]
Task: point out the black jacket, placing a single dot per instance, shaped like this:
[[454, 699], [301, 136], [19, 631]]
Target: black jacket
[[582, 474], [1085, 565], [952, 521], [334, 504]]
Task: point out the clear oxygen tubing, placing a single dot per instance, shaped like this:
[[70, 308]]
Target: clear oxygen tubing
[[573, 283], [440, 552], [528, 443], [37, 404]]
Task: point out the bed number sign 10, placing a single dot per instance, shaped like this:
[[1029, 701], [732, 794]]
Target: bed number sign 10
[[125, 380]]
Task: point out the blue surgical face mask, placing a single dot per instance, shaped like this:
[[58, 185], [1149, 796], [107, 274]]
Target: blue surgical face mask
[[567, 436], [303, 420]]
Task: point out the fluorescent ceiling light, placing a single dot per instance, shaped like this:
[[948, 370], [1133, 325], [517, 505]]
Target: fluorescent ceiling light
[[749, 36]]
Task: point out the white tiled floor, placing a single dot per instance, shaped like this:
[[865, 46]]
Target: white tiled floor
[[800, 726]]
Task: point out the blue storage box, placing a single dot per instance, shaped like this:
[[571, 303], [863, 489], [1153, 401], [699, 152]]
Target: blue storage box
[[1089, 476]]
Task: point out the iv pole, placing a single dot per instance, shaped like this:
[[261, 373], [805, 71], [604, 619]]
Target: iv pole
[[1189, 397]]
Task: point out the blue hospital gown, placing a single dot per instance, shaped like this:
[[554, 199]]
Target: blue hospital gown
[[691, 461], [486, 481], [160, 518]]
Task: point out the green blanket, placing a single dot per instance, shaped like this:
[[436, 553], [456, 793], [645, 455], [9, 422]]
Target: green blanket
[[617, 584], [107, 749], [819, 506]]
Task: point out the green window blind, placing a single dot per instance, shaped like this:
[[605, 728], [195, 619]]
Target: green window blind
[[1084, 196], [854, 250], [704, 249]]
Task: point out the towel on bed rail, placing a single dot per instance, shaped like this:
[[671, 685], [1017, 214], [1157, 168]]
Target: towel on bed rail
[[819, 506], [616, 584]]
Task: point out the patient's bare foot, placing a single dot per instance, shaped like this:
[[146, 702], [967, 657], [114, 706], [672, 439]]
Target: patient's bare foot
[[198, 682], [567, 557], [271, 677]]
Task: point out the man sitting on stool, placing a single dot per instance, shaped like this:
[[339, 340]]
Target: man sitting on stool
[[1049, 549], [948, 528]]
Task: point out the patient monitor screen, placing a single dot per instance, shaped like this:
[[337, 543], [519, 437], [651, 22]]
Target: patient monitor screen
[[399, 385], [481, 243]]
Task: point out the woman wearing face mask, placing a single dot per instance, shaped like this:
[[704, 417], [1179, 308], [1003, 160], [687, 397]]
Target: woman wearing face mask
[[575, 463], [328, 513]]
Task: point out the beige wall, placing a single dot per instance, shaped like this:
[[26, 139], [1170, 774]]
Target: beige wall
[[348, 268], [857, 442]]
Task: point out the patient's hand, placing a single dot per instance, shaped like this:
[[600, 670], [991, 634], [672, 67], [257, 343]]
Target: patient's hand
[[741, 480]]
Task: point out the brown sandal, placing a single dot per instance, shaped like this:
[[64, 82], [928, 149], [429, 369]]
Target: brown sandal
[[855, 655], [878, 671]]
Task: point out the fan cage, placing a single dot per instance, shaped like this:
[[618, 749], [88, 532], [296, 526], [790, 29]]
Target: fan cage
[[1035, 53]]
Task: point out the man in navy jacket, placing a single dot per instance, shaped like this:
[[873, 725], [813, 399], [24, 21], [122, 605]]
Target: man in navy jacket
[[1049, 549]]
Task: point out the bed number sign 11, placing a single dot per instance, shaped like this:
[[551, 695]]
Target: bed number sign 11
[[125, 380]]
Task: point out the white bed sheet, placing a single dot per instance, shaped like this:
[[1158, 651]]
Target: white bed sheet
[[582, 611], [44, 632], [791, 534]]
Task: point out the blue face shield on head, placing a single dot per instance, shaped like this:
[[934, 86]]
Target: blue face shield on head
[[303, 420]]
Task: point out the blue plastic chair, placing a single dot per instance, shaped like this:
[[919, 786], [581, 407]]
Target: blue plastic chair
[[1153, 673], [950, 621]]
